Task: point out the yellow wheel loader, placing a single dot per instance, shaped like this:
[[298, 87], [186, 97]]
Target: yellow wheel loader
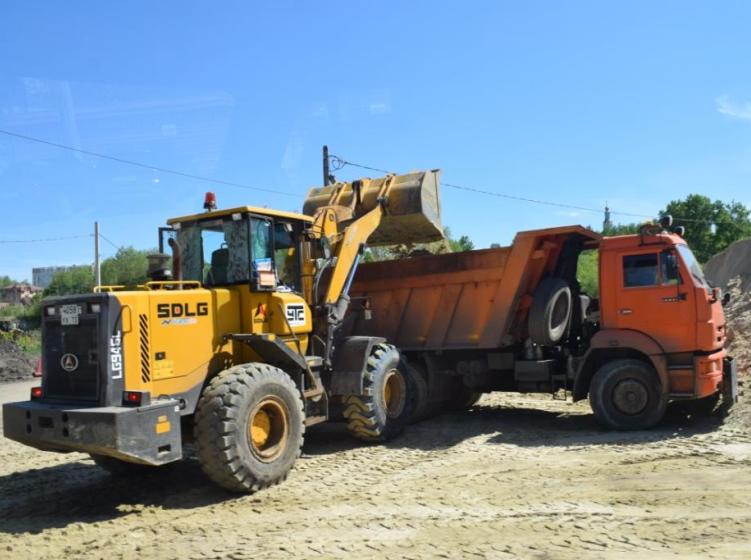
[[235, 343]]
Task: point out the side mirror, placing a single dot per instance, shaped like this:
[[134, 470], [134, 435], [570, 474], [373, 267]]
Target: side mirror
[[726, 299]]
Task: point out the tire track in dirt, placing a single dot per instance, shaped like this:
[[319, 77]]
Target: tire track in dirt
[[514, 477]]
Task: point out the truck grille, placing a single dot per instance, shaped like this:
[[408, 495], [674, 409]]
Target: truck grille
[[71, 360]]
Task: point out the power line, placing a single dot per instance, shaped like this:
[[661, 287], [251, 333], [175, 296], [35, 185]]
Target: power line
[[146, 165], [338, 163], [116, 246], [42, 240]]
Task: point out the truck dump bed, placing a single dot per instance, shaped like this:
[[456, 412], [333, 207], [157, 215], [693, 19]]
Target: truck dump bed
[[469, 300]]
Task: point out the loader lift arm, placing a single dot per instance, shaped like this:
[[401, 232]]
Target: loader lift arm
[[396, 208]]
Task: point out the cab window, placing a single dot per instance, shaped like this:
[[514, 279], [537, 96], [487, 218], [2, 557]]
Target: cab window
[[261, 254], [669, 273], [640, 270], [285, 256], [643, 270]]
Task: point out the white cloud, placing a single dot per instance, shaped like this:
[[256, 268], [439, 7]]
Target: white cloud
[[733, 109]]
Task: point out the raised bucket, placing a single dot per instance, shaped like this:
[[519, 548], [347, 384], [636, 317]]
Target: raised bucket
[[413, 213]]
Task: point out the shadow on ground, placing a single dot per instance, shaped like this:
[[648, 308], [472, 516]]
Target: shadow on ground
[[79, 491]]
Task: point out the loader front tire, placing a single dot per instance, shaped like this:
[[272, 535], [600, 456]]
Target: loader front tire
[[249, 427], [385, 406]]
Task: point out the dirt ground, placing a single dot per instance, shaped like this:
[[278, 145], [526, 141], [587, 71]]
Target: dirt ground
[[518, 476]]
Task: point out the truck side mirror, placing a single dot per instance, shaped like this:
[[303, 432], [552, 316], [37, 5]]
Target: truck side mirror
[[726, 299]]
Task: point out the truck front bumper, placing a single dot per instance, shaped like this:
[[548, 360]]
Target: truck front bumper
[[148, 434]]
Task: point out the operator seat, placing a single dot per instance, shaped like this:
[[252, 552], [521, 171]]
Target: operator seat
[[219, 265]]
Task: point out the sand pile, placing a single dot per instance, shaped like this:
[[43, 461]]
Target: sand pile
[[15, 364], [733, 262], [738, 316]]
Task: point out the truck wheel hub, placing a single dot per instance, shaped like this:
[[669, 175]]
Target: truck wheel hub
[[630, 397], [394, 393], [268, 429]]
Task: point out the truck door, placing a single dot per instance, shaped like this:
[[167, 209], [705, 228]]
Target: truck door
[[653, 299]]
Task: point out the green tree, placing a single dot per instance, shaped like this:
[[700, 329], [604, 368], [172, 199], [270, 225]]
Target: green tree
[[621, 229], [75, 280], [587, 273], [710, 226], [6, 281], [128, 267]]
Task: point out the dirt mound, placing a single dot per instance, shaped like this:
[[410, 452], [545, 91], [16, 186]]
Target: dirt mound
[[738, 316], [15, 364], [733, 262]]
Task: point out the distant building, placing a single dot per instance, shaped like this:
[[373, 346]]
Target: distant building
[[42, 276], [18, 293]]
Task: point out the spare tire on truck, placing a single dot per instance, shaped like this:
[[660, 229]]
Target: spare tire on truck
[[550, 313]]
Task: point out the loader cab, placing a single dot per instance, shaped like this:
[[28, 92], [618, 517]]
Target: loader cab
[[652, 283], [239, 246]]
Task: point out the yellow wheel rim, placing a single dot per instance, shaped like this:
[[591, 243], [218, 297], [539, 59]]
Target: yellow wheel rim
[[394, 393], [268, 429]]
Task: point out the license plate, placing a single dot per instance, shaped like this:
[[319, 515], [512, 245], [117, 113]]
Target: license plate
[[69, 314]]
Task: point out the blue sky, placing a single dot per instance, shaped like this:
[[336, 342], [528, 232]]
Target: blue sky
[[633, 103]]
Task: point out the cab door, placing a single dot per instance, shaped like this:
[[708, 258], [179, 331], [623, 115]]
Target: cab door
[[653, 298]]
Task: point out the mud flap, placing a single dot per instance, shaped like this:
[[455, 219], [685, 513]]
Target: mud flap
[[729, 382]]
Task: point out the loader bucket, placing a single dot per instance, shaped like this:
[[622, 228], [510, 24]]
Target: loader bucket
[[413, 212]]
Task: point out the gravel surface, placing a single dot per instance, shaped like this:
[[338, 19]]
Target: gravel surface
[[15, 364], [517, 476]]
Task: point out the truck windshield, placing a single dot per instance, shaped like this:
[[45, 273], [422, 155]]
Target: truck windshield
[[692, 265], [215, 252]]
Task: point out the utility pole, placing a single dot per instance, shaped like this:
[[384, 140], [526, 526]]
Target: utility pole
[[97, 264]]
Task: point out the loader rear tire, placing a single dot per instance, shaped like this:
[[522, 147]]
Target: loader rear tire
[[626, 395], [385, 406], [249, 427]]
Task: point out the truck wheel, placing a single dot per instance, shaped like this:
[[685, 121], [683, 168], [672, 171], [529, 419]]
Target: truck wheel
[[385, 407], [421, 393], [463, 399], [249, 427], [550, 312], [626, 395]]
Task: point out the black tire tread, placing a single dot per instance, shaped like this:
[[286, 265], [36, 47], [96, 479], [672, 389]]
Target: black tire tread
[[537, 321], [215, 426], [602, 408], [363, 420]]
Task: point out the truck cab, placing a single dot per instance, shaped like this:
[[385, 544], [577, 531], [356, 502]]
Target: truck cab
[[653, 292]]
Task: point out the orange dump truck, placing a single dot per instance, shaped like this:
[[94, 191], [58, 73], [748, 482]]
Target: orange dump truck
[[516, 319]]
